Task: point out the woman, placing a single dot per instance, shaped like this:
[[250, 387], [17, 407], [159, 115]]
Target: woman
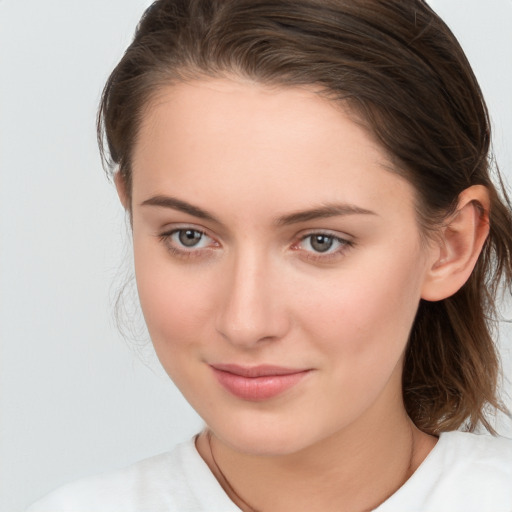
[[318, 245]]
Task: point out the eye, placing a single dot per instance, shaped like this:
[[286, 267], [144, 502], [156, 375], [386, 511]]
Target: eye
[[188, 237], [320, 242], [187, 241], [323, 245]]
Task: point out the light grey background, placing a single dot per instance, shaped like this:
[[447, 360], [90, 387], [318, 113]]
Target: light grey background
[[75, 398]]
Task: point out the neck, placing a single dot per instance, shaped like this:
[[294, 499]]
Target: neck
[[353, 470]]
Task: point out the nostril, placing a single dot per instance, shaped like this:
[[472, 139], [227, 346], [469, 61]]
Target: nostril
[[252, 307], [249, 324]]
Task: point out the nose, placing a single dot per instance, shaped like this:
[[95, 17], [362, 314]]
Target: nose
[[253, 308]]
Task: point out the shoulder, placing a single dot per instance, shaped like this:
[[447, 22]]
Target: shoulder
[[464, 473], [476, 470], [477, 453], [126, 489], [169, 482]]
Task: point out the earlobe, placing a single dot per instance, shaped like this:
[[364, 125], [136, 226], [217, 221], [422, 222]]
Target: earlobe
[[461, 241], [120, 183]]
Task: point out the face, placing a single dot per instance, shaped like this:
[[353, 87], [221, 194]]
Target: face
[[279, 263]]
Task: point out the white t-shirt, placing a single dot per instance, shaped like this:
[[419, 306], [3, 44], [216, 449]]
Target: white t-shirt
[[463, 473]]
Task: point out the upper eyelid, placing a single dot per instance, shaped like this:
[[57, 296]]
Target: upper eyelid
[[327, 232], [168, 230], [181, 250], [341, 240], [345, 244], [199, 227], [303, 234]]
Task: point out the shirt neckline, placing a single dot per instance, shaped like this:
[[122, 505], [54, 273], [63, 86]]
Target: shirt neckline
[[211, 491]]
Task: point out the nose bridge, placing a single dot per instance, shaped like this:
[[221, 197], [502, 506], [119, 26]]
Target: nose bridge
[[252, 310]]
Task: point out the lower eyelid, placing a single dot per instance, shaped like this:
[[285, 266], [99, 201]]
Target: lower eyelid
[[340, 240], [345, 245], [182, 251]]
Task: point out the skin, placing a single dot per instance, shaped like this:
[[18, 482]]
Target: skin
[[255, 291]]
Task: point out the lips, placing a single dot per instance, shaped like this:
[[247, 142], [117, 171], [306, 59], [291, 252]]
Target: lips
[[257, 383]]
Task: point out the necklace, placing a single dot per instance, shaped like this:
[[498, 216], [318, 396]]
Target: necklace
[[249, 508], [225, 481]]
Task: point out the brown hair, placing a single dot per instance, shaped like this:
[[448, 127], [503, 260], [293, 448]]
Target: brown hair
[[404, 74]]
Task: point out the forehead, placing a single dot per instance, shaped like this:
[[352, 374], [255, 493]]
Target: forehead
[[223, 138]]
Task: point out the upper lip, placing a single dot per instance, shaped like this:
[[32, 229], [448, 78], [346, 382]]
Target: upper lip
[[263, 370]]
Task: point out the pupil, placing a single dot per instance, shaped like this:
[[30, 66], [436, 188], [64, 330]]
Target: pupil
[[321, 243], [189, 237]]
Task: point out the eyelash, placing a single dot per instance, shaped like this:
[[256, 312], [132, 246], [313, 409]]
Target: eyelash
[[344, 246], [193, 252]]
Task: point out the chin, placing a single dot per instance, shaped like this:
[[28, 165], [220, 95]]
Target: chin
[[268, 438], [264, 445]]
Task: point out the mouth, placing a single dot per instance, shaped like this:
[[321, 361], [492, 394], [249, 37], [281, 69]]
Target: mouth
[[257, 383]]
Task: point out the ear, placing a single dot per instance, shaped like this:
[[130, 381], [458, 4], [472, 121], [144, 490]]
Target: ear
[[122, 192], [460, 243]]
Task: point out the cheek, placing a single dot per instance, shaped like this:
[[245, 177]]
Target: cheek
[[175, 305], [361, 329], [364, 316]]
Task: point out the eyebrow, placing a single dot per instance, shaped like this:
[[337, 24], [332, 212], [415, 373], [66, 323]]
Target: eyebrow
[[182, 206], [322, 212]]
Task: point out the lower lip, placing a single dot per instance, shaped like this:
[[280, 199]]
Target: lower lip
[[257, 389]]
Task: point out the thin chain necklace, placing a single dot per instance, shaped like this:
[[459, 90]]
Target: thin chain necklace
[[225, 480], [252, 509]]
